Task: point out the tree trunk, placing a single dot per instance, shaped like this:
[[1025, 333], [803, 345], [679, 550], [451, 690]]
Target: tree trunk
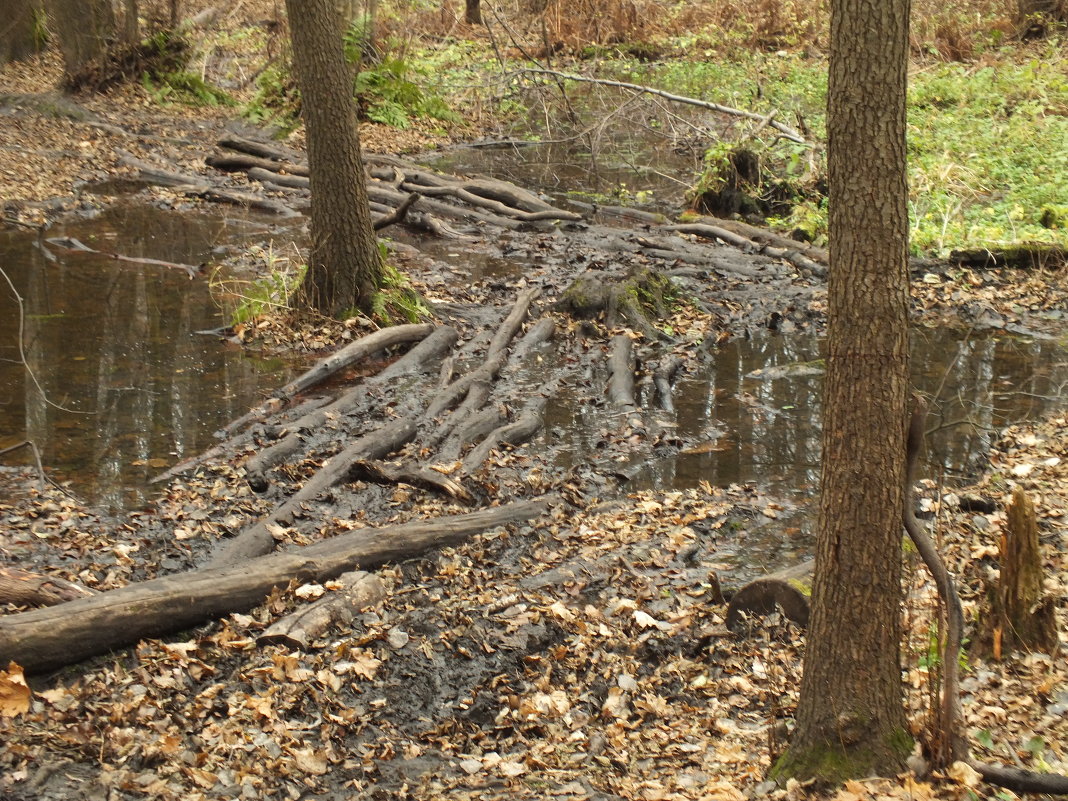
[[344, 266], [850, 717], [20, 36], [85, 29], [473, 12], [1035, 16]]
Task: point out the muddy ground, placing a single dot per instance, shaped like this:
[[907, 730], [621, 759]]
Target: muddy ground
[[579, 655]]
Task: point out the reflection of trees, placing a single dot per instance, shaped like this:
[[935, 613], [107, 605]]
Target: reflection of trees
[[117, 342]]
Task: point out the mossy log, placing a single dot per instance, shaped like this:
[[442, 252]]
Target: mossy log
[[637, 299]]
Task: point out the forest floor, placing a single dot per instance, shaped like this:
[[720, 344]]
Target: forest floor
[[582, 655]]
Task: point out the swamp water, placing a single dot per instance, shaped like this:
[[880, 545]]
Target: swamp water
[[120, 383], [130, 387]]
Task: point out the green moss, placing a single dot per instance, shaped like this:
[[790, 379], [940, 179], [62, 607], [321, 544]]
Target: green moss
[[831, 764]]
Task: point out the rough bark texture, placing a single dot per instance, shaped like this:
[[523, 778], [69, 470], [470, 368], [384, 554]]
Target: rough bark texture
[[344, 266], [18, 37], [850, 718], [85, 30], [1021, 616]]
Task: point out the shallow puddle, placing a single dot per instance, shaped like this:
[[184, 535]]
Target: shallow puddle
[[120, 384]]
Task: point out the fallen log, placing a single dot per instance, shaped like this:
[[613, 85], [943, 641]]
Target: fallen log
[[245, 163], [788, 589], [792, 255], [784, 130], [22, 588], [324, 368], [381, 473], [441, 339], [515, 433], [46, 639], [621, 373], [664, 373], [258, 538], [357, 590], [236, 444], [397, 215], [253, 147]]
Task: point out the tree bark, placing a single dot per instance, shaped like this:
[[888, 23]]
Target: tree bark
[[344, 266], [85, 29], [19, 37], [850, 717]]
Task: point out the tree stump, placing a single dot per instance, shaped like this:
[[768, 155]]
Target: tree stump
[[1021, 616]]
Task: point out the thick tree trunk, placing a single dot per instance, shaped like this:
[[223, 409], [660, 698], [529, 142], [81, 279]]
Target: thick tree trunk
[[1035, 16], [473, 12], [850, 718], [19, 35], [344, 266], [85, 29]]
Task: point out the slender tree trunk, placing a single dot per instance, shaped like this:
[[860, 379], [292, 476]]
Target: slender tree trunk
[[19, 35], [85, 29], [344, 266], [850, 718], [473, 12]]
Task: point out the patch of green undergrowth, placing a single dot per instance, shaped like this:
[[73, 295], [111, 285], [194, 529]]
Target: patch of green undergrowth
[[396, 301], [391, 87], [246, 300], [987, 162], [184, 87]]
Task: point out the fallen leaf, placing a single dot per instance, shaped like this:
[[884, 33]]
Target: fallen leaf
[[14, 692]]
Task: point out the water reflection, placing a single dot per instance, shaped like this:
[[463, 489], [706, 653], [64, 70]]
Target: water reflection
[[739, 427], [128, 385]]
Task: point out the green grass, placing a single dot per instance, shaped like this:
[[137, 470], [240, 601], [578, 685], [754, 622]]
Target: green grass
[[988, 165]]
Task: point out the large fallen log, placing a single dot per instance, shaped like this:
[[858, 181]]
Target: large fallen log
[[46, 639]]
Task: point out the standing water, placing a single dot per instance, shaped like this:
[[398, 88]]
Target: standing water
[[114, 383]]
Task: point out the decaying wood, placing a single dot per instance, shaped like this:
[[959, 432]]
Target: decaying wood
[[1021, 616], [355, 351], [440, 340], [237, 443], [352, 592], [381, 473], [536, 335], [70, 243], [788, 589], [276, 179], [243, 163], [258, 538], [523, 428], [45, 639], [792, 255], [197, 186], [621, 373], [22, 588], [398, 214], [253, 147], [663, 375], [473, 427]]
